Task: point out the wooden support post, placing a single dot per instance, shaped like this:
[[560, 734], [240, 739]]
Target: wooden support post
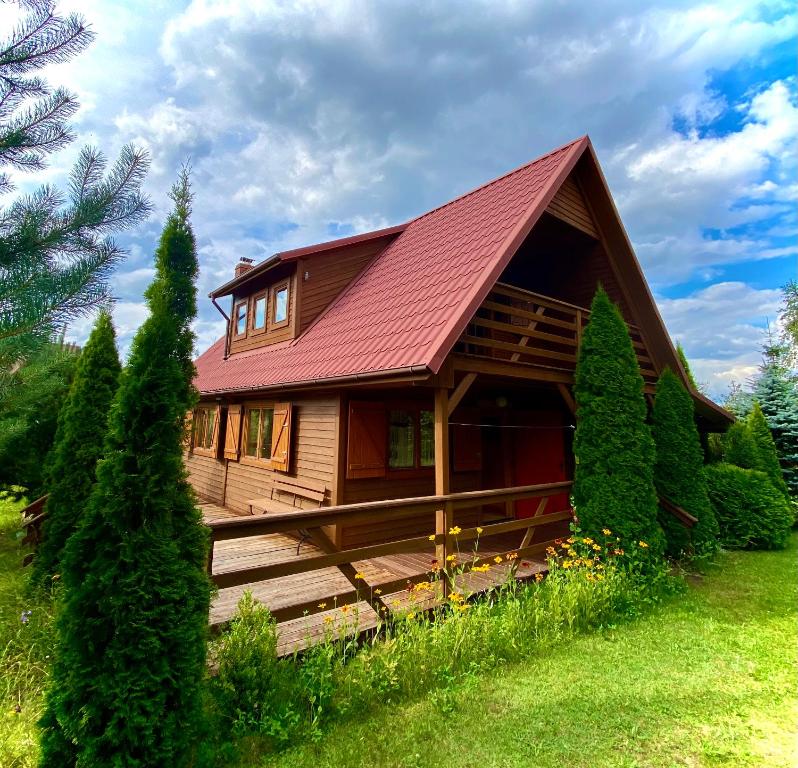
[[444, 517], [530, 532], [578, 331]]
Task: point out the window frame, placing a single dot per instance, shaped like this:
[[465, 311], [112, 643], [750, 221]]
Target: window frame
[[417, 470], [256, 460], [253, 301], [285, 285], [236, 305], [200, 415]]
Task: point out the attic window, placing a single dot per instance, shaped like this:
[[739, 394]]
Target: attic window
[[259, 313], [241, 318], [280, 305]]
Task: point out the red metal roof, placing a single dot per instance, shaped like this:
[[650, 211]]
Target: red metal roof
[[409, 306]]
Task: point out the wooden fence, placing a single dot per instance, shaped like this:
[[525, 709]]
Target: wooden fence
[[442, 510]]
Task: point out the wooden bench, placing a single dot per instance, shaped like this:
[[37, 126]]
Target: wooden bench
[[287, 494]]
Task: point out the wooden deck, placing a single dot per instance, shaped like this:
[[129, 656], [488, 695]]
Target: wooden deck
[[349, 612]]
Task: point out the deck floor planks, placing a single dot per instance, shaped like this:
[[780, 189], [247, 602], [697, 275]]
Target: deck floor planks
[[297, 634]]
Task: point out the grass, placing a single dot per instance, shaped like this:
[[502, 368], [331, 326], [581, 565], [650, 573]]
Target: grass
[[708, 680], [24, 648]]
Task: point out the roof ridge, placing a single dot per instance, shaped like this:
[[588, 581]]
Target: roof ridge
[[487, 184]]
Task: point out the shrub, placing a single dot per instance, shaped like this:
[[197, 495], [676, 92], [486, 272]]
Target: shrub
[[677, 471], [614, 476], [82, 425], [751, 512], [739, 447], [767, 457], [591, 583]]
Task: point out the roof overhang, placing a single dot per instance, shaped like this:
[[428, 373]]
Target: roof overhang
[[297, 253]]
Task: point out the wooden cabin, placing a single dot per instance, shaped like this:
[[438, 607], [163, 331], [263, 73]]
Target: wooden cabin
[[430, 358]]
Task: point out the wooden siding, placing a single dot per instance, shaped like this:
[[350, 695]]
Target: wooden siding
[[271, 336], [569, 205], [313, 455], [328, 275], [206, 476]]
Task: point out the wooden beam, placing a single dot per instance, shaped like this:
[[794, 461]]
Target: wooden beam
[[444, 516], [566, 395], [517, 370], [531, 531], [326, 545], [460, 391], [531, 325]]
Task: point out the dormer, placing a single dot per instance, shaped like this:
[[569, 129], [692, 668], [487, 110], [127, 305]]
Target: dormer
[[280, 298]]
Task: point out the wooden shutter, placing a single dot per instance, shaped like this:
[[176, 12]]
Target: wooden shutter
[[232, 433], [281, 436], [214, 446], [467, 446], [367, 440]]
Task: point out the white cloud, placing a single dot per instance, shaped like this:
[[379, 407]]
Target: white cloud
[[722, 328]]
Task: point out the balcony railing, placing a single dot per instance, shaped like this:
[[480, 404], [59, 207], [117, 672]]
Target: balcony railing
[[517, 326]]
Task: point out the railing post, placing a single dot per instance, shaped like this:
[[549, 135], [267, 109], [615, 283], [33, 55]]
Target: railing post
[[578, 331], [444, 516]]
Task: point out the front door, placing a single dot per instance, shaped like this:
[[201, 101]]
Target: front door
[[539, 457]]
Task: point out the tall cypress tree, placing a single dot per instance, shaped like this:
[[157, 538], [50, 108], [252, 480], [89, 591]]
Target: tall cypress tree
[[82, 424], [614, 477], [739, 447], [686, 365], [133, 626], [678, 473]]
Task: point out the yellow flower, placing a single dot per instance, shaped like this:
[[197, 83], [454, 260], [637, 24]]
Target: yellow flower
[[599, 567], [410, 616], [596, 547], [377, 591], [643, 544], [451, 558], [606, 531], [344, 609], [587, 541], [359, 575], [462, 607], [455, 530], [322, 605], [572, 552], [456, 597], [479, 530], [551, 552], [571, 540], [497, 559], [567, 563], [512, 555], [432, 537], [328, 619], [599, 576]]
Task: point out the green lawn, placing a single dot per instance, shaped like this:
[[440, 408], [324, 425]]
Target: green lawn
[[709, 680]]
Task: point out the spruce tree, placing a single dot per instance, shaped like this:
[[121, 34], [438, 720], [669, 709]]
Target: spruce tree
[[678, 473], [766, 454], [614, 477], [82, 424], [777, 394], [126, 687]]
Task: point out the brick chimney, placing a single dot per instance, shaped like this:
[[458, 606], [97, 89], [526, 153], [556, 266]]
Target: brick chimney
[[244, 265]]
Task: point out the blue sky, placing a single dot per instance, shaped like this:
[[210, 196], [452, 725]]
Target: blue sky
[[314, 119]]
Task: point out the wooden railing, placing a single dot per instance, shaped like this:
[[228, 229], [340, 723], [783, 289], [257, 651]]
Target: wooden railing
[[312, 522], [517, 326]]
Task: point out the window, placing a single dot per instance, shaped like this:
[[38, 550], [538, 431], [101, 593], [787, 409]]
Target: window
[[259, 313], [258, 437], [280, 305], [241, 318], [411, 439], [205, 429]]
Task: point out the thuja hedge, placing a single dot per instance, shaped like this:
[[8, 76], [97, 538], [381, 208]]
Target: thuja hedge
[[751, 512], [677, 471], [614, 476]]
